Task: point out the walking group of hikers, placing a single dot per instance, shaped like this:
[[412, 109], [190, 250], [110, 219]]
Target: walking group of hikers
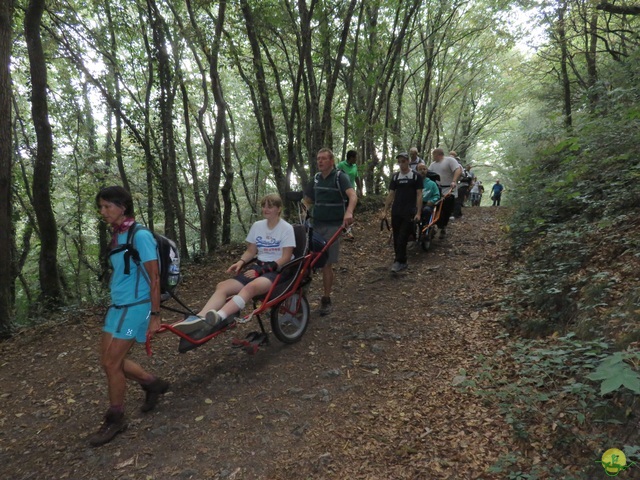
[[135, 310], [416, 189]]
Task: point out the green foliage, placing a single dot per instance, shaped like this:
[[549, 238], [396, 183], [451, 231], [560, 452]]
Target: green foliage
[[574, 227], [552, 406], [615, 372], [411, 73]]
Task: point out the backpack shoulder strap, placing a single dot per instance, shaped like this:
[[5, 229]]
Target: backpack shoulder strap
[[129, 250], [338, 173], [134, 254], [132, 233]]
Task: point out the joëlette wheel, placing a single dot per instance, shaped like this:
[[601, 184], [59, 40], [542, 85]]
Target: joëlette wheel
[[290, 318]]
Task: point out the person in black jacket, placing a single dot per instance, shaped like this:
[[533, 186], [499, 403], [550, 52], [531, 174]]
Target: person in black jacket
[[405, 200]]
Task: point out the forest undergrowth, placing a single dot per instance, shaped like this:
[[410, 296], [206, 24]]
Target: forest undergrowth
[[400, 382]]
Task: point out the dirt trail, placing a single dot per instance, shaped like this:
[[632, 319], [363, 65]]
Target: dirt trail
[[369, 393]]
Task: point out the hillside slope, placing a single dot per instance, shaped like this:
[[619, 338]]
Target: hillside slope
[[375, 391]]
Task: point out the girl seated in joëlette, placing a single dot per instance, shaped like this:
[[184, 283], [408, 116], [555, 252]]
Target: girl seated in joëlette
[[272, 240]]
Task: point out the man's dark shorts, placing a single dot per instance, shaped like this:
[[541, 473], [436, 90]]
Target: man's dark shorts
[[328, 231]]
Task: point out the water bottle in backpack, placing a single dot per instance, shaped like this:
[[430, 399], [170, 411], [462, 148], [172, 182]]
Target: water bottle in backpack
[[174, 271]]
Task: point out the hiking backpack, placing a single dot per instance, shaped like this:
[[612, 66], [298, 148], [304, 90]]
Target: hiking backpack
[[396, 175], [465, 177], [339, 172], [168, 259]]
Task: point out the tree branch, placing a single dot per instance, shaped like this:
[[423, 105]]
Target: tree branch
[[619, 9]]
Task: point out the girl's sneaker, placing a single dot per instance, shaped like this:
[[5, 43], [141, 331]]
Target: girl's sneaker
[[190, 324]]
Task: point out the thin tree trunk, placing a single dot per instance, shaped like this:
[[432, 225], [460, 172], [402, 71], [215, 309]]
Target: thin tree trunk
[[564, 60], [50, 285], [193, 46], [169, 178], [268, 133], [590, 58], [6, 224], [211, 218], [222, 140], [115, 87]]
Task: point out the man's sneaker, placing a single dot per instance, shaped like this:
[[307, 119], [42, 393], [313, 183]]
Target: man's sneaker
[[443, 233], [325, 306], [113, 424], [190, 324], [401, 266], [395, 267], [152, 393]]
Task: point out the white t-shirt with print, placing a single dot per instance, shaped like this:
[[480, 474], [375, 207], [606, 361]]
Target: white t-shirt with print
[[270, 243]]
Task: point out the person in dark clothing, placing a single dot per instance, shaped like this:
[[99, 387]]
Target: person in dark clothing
[[496, 193], [405, 200]]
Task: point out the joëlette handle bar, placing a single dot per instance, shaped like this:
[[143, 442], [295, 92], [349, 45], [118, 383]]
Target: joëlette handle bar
[[436, 212]]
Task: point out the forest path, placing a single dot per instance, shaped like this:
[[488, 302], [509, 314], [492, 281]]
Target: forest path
[[370, 392]]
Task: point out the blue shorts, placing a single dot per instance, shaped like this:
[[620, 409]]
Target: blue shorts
[[128, 323]]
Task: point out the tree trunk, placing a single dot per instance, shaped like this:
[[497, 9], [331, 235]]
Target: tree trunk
[[268, 131], [564, 69], [50, 285], [590, 58], [6, 224], [211, 218], [115, 89], [222, 140], [169, 178]]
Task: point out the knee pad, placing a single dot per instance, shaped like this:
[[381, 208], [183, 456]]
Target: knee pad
[[237, 299]]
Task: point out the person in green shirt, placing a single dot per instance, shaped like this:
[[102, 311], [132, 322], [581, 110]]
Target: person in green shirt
[[349, 167], [430, 190]]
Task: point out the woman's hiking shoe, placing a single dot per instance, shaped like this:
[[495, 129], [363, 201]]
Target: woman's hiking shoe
[[190, 324], [152, 393], [113, 424]]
